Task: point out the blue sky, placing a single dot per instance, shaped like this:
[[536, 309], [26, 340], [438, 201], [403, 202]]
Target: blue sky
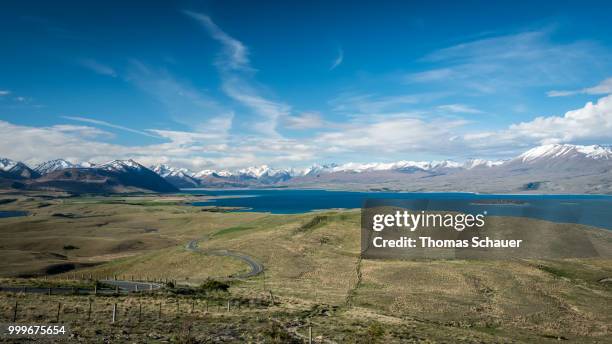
[[238, 83]]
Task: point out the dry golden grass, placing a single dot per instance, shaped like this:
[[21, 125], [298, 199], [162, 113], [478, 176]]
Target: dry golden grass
[[312, 261], [93, 230]]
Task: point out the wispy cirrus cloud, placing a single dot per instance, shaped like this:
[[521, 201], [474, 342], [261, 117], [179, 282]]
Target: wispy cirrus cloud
[[367, 103], [241, 90], [459, 108], [4, 93], [235, 54], [182, 101], [512, 61], [97, 67], [237, 78], [193, 150], [393, 135], [109, 125], [338, 60], [604, 87], [307, 120]]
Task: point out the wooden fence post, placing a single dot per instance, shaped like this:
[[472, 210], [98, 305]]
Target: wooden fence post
[[59, 307], [139, 312], [309, 334], [271, 298], [114, 313], [192, 305], [228, 305], [15, 311], [160, 311], [89, 311]]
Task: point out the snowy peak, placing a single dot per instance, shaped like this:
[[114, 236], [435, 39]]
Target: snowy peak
[[179, 177], [54, 165], [316, 169], [565, 152], [16, 169], [213, 173], [260, 171], [480, 163], [167, 171], [7, 164], [402, 165], [121, 166]]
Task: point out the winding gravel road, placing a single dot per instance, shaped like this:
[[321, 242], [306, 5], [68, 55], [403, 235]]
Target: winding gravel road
[[256, 267], [124, 287], [132, 286]]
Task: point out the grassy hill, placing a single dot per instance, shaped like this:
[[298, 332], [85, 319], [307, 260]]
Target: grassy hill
[[313, 268]]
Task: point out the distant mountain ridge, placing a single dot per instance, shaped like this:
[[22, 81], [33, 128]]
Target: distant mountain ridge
[[117, 176], [16, 170], [549, 168]]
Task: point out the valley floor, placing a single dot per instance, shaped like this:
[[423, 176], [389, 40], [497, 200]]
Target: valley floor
[[313, 275]]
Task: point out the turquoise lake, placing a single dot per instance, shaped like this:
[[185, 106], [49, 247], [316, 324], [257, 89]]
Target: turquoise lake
[[593, 210]]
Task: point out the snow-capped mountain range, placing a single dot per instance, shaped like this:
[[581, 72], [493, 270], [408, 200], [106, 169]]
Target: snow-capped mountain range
[[541, 161], [62, 175], [565, 151], [54, 165], [264, 171], [547, 154]]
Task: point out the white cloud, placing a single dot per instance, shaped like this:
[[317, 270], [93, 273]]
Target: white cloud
[[97, 67], [240, 90], [107, 124], [431, 75], [235, 54], [4, 92], [510, 62], [307, 120], [194, 150], [236, 74], [396, 135], [338, 60], [215, 130], [459, 108], [183, 102], [604, 87], [393, 134], [371, 103], [589, 124]]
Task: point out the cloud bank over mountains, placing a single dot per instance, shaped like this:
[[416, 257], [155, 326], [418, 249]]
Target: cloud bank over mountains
[[399, 135]]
